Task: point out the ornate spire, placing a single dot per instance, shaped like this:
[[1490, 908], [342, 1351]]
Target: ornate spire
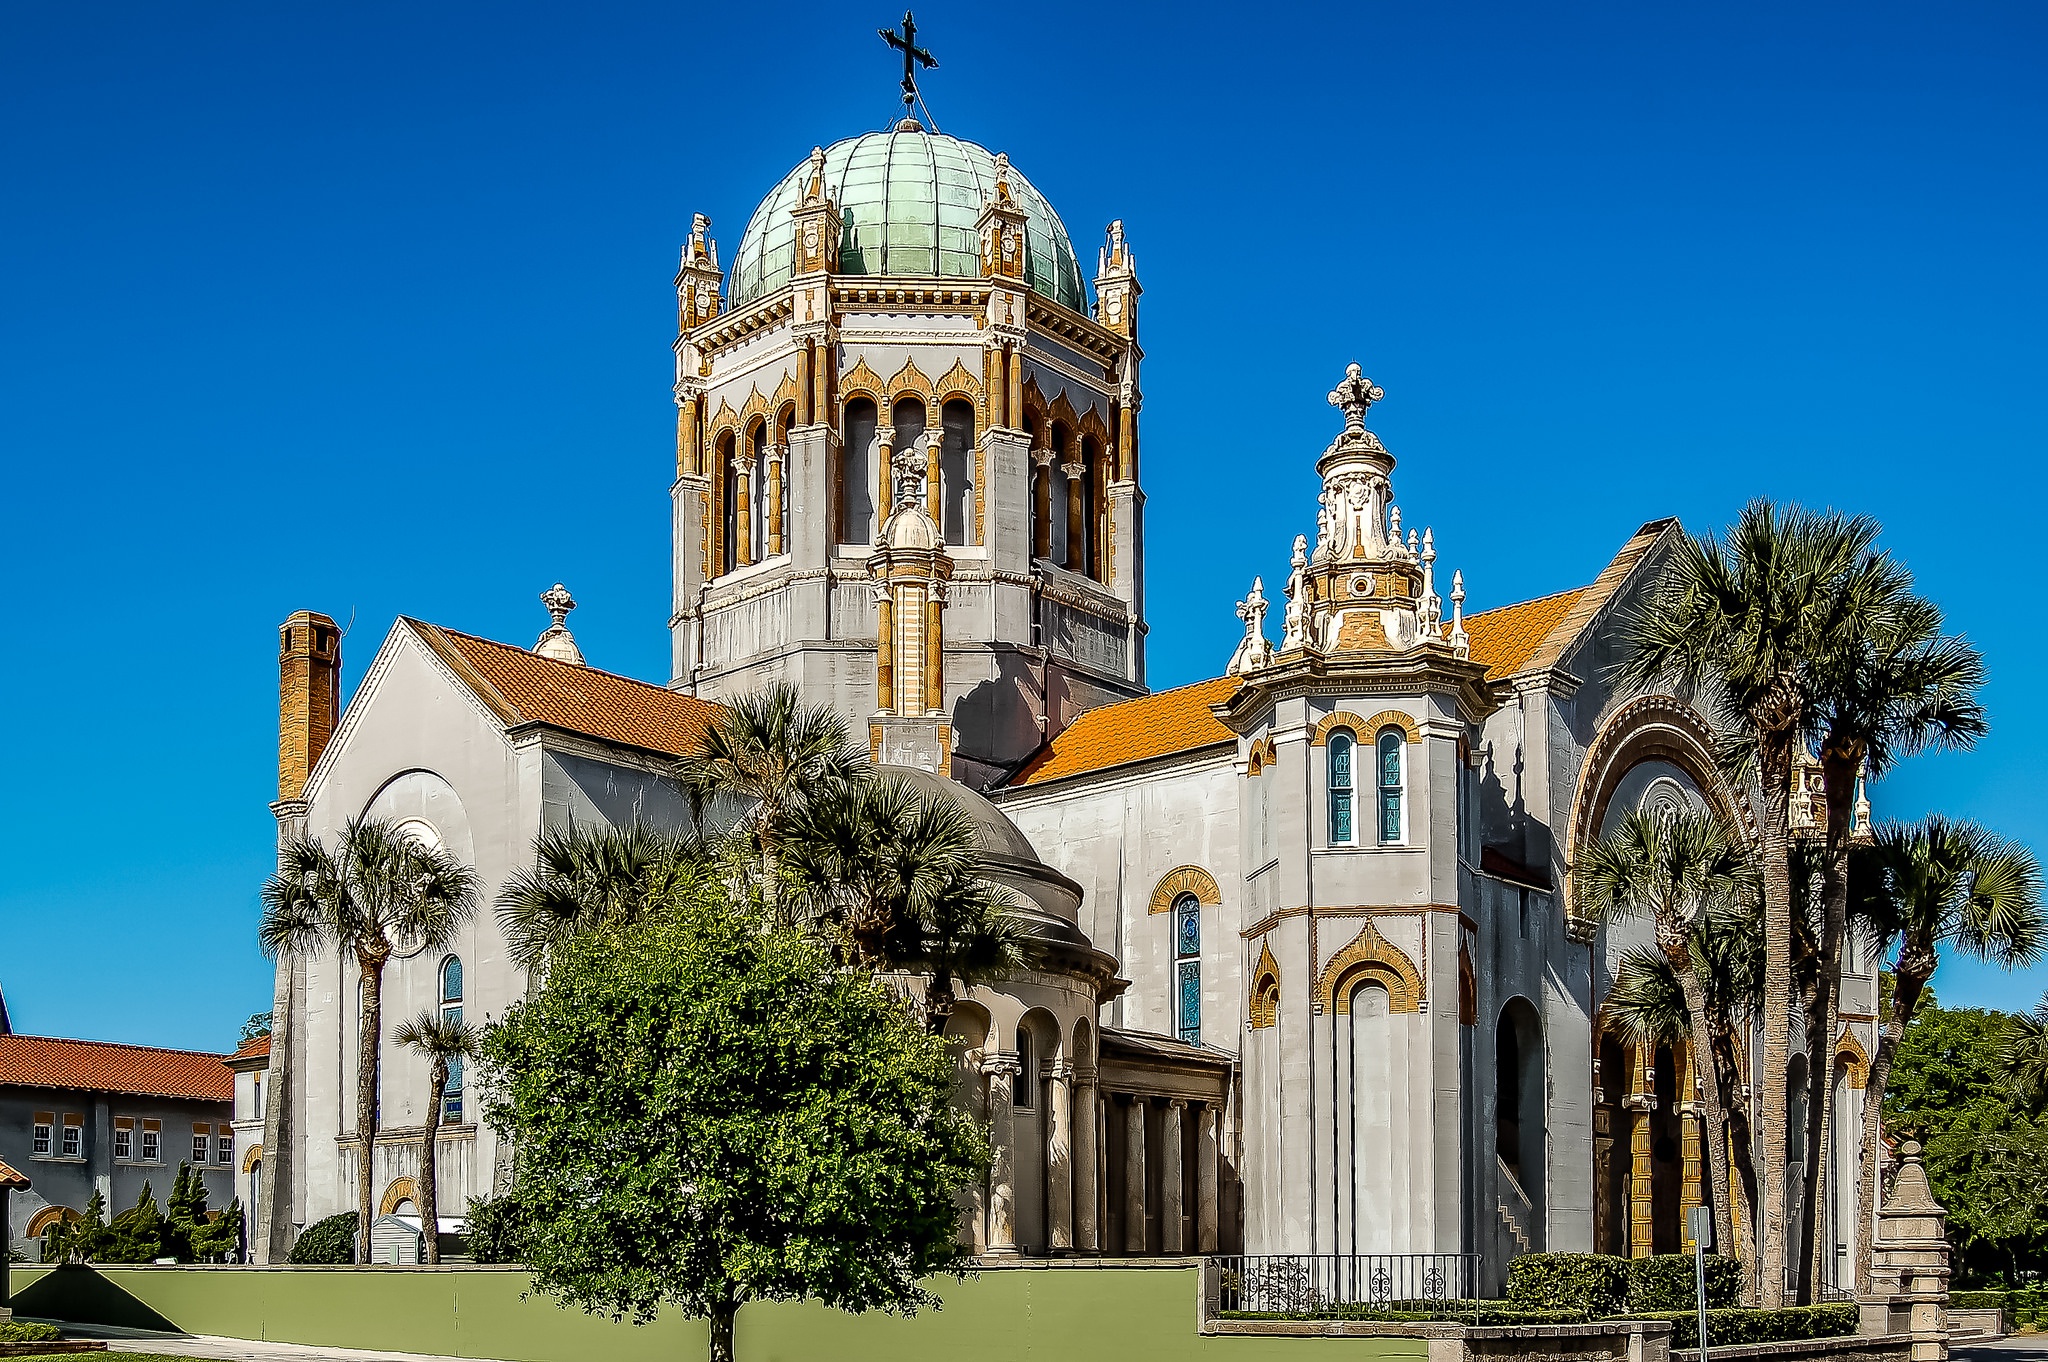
[[557, 642], [1253, 651], [1354, 396]]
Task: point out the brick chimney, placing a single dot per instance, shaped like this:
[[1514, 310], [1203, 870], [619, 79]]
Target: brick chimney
[[308, 696]]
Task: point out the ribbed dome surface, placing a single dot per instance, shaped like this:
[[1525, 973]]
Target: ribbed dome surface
[[908, 200]]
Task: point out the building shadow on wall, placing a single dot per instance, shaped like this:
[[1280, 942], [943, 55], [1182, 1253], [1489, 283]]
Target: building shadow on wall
[[81, 1295]]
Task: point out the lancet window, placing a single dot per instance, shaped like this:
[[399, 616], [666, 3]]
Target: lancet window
[[451, 1011], [1187, 968], [1392, 744], [857, 474], [956, 472], [1342, 758]]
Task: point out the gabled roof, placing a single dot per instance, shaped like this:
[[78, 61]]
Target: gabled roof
[[1160, 725], [252, 1053], [101, 1066], [522, 687], [11, 1181], [1512, 639]]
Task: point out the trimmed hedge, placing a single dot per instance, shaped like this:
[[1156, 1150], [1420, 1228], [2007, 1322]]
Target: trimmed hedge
[[1730, 1327], [1667, 1282], [1594, 1282], [328, 1241], [21, 1331]]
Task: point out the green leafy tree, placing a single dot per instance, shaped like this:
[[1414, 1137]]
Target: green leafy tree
[[709, 1113], [586, 878], [494, 1230], [257, 1025], [219, 1239], [1923, 888], [443, 1040], [84, 1240], [771, 754], [329, 1241], [184, 1213], [136, 1235], [1748, 625], [377, 891], [1678, 871]]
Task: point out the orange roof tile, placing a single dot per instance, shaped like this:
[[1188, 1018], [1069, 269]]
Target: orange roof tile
[[1506, 638], [524, 687], [256, 1047], [10, 1180], [101, 1066], [1157, 725]]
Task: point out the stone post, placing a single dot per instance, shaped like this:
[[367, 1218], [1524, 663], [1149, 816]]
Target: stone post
[[742, 510], [1208, 1118], [1134, 1177], [1059, 1161], [1172, 1180], [1909, 1265], [1001, 1070], [1085, 1156]]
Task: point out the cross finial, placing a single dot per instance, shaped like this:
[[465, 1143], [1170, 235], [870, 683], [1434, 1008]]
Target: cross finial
[[913, 56], [1354, 395]]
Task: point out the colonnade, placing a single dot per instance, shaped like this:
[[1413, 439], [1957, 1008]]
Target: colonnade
[[1079, 1182]]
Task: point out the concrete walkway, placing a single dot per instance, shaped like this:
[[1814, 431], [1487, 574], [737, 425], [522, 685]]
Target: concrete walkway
[[2013, 1348], [241, 1349]]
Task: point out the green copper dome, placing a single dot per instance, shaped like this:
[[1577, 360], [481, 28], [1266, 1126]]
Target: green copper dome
[[909, 200]]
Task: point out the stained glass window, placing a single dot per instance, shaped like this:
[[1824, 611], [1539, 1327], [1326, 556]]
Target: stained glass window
[[451, 1010], [1187, 950], [1340, 789], [1390, 785]]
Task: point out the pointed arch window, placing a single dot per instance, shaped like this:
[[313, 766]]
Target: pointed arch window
[[1343, 751], [1391, 752], [451, 1011], [1187, 968]]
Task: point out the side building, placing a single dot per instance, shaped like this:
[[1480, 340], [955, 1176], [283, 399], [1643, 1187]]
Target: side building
[[83, 1116]]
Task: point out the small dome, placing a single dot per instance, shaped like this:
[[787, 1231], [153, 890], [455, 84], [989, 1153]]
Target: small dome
[[908, 200], [911, 527], [995, 834]]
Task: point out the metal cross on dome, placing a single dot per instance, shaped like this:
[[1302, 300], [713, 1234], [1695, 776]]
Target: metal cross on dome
[[913, 56]]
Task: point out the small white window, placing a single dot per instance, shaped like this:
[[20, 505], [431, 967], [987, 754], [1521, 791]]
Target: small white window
[[40, 1145], [202, 1144], [124, 1140], [224, 1146], [152, 1146], [74, 1136]]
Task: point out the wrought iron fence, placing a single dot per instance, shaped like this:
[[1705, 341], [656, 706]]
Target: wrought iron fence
[[1297, 1283]]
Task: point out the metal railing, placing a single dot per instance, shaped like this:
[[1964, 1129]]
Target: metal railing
[[1299, 1283]]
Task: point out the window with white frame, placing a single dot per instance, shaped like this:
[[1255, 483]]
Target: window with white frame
[[451, 1011], [1392, 743], [40, 1134], [1343, 752], [224, 1145], [152, 1142], [202, 1143], [73, 1146], [124, 1138]]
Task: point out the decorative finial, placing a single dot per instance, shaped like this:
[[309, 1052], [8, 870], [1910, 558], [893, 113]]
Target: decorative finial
[[1003, 175], [1461, 643], [699, 225], [910, 466], [557, 642], [815, 189], [1253, 651], [1354, 395], [913, 56]]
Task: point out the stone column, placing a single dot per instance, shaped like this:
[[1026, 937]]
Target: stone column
[[885, 474], [1041, 505], [1639, 1104], [885, 650], [775, 459], [934, 697], [1077, 518], [1206, 1155], [1013, 363], [934, 503], [1059, 1160], [1084, 1161], [1172, 1180], [1693, 1146], [1134, 1177], [742, 511], [1002, 1070]]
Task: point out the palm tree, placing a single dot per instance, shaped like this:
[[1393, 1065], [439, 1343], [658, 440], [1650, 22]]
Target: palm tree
[[2023, 1054], [444, 1038], [585, 878], [1677, 870], [773, 753], [1899, 688], [965, 932], [1924, 886], [1744, 627], [377, 892]]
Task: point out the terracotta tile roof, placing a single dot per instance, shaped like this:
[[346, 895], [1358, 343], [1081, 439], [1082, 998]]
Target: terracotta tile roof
[[100, 1066], [256, 1047], [10, 1180], [522, 687], [1505, 639], [1159, 725]]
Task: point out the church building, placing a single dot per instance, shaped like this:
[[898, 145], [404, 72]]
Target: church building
[[1313, 977]]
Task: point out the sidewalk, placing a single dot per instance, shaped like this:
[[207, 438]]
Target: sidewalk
[[241, 1349]]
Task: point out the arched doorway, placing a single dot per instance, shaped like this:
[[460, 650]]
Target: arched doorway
[[1520, 1100]]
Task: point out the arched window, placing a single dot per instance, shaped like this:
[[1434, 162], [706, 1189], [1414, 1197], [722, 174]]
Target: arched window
[[1187, 967], [1342, 750], [956, 472], [728, 499], [909, 420], [1089, 558], [1391, 743], [757, 496], [1056, 496], [451, 1010], [857, 475], [1026, 1081]]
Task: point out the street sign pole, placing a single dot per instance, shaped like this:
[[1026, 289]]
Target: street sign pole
[[1699, 1221]]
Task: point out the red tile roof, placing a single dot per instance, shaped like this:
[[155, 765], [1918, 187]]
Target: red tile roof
[[101, 1066], [1160, 725], [522, 687], [1505, 639], [256, 1047], [10, 1180]]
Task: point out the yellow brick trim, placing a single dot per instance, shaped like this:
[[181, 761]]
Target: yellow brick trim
[[1365, 730], [1264, 1006], [1189, 879], [1371, 956], [399, 1190], [1851, 1050]]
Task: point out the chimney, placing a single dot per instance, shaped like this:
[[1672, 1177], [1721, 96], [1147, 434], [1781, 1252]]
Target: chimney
[[308, 696]]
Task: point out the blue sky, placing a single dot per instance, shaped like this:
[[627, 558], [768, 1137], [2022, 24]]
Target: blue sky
[[367, 309]]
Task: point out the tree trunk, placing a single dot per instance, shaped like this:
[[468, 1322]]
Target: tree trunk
[[429, 1189], [722, 1319], [771, 905], [1774, 753], [1716, 1116], [938, 1003], [1907, 983], [1839, 768], [1739, 1144], [369, 1049]]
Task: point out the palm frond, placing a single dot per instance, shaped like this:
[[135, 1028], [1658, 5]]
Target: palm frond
[[436, 1035]]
